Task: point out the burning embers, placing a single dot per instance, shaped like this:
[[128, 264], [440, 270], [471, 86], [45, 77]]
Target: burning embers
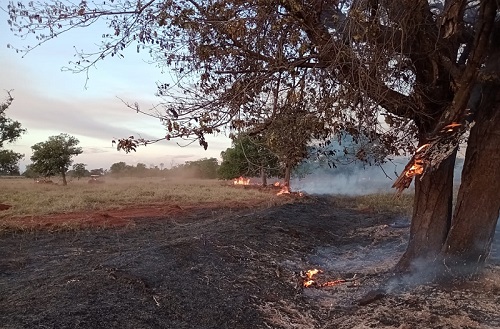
[[310, 281], [241, 181], [284, 190], [428, 156], [416, 169]]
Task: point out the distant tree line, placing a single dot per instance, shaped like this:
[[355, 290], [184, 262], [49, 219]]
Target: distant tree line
[[205, 168]]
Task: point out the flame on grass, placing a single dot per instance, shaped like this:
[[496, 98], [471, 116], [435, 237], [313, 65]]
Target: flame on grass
[[309, 277], [241, 181], [309, 280], [284, 190]]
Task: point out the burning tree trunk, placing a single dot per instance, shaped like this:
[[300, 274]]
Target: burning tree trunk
[[432, 210], [467, 240], [478, 203]]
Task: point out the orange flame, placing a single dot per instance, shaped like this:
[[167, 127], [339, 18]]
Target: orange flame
[[451, 126], [284, 190], [308, 283], [309, 275], [416, 169], [241, 181], [421, 148], [333, 283], [277, 184], [309, 280]]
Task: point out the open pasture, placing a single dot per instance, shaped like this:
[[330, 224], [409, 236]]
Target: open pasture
[[126, 196], [29, 199]]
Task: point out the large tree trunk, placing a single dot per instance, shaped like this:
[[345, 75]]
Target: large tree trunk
[[64, 178], [468, 239], [478, 202], [432, 209]]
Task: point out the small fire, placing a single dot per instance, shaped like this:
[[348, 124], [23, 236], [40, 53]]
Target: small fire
[[309, 275], [241, 181], [451, 127], [416, 169], [333, 283], [309, 280], [284, 190], [277, 184], [421, 148]]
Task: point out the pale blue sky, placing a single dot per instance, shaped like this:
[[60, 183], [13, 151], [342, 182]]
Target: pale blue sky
[[49, 101]]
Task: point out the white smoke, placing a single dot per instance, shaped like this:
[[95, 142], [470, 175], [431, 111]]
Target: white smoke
[[357, 181]]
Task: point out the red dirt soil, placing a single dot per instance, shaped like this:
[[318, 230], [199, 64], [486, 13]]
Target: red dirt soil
[[4, 206], [125, 216]]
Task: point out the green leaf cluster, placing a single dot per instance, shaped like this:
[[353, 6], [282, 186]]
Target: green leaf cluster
[[248, 156], [10, 131], [54, 156]]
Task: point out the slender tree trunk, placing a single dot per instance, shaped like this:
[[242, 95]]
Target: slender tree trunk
[[64, 178], [287, 175], [432, 209], [478, 203], [263, 176]]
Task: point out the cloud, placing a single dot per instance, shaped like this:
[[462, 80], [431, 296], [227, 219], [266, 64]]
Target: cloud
[[94, 150], [49, 102]]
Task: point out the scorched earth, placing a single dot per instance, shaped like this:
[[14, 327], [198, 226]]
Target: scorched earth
[[232, 267]]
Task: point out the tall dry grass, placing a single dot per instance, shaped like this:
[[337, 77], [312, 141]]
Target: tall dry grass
[[28, 198], [380, 203]]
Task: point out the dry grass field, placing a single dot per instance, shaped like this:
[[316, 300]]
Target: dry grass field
[[119, 202], [28, 198]]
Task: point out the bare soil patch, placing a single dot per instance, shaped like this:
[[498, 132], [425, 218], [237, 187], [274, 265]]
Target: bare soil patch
[[230, 267], [125, 216]]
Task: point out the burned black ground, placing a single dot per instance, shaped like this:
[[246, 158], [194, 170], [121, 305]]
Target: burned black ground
[[230, 269]]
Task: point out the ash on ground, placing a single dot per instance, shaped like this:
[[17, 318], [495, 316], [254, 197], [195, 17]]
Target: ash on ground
[[231, 269]]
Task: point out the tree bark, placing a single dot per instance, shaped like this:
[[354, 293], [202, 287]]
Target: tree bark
[[64, 178], [478, 203], [287, 175], [263, 176], [432, 209]]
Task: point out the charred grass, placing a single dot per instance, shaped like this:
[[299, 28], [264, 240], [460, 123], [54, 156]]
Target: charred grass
[[220, 267], [230, 268]]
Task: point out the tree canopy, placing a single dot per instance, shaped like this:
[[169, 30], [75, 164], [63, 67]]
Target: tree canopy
[[9, 162], [10, 131], [79, 170], [251, 157], [55, 155], [29, 172], [418, 76]]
